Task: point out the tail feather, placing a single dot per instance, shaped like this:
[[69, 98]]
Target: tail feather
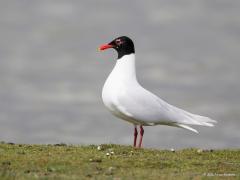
[[187, 118], [194, 119], [202, 120]]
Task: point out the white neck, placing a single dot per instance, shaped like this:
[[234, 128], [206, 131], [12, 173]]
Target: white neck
[[125, 68]]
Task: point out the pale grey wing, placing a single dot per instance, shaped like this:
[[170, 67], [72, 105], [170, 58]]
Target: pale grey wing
[[142, 105]]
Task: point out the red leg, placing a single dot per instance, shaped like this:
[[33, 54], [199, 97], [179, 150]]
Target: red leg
[[141, 136], [135, 135]]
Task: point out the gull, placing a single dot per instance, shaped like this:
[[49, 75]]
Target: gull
[[125, 98]]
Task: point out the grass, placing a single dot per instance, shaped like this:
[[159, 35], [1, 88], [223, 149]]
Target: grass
[[60, 161]]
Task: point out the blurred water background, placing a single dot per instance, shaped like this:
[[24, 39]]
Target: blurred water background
[[51, 74]]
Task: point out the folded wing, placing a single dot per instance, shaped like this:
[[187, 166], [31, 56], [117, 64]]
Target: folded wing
[[146, 107]]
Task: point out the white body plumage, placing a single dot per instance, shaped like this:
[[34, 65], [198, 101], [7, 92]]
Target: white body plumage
[[128, 100]]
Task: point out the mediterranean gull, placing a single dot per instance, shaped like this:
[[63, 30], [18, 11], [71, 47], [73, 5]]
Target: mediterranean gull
[[128, 100]]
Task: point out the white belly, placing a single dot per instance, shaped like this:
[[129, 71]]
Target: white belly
[[111, 92], [117, 85]]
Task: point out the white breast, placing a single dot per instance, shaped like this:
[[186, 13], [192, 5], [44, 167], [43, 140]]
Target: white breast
[[120, 79]]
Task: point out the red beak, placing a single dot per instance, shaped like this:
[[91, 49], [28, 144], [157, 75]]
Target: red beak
[[105, 46]]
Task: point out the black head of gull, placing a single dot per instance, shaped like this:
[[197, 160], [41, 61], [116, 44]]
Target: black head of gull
[[123, 45]]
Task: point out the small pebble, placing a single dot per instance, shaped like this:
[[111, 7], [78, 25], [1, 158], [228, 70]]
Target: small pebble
[[172, 150], [111, 168], [99, 148], [199, 151], [35, 175], [110, 171]]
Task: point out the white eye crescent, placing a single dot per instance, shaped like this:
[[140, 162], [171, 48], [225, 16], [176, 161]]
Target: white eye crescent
[[118, 41]]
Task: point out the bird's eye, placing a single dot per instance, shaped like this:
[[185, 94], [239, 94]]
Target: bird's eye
[[118, 41]]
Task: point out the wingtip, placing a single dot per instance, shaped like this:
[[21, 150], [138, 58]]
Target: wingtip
[[187, 127]]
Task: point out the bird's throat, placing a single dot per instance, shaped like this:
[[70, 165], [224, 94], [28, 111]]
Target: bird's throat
[[125, 68]]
